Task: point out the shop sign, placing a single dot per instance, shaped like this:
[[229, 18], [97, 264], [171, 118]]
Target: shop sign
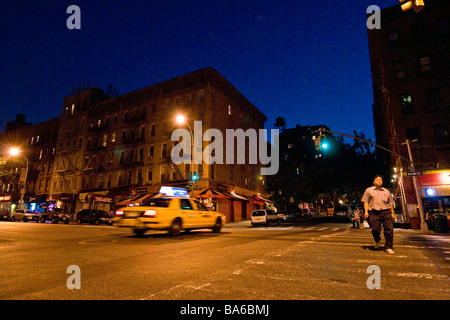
[[5, 198]]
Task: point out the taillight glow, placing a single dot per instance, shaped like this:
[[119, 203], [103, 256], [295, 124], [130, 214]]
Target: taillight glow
[[119, 212], [149, 213]]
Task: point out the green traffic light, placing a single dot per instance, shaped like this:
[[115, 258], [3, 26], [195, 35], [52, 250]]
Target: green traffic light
[[324, 145]]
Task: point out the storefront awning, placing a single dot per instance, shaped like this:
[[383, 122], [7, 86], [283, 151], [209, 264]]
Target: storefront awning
[[134, 200], [259, 198], [210, 193]]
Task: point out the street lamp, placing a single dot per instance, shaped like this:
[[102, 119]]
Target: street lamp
[[181, 119], [14, 152]]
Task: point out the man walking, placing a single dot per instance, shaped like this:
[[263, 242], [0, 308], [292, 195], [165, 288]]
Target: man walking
[[378, 203]]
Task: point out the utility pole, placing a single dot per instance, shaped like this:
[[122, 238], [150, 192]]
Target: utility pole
[[423, 224]]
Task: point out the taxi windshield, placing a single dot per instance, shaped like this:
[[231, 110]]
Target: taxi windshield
[[156, 202]]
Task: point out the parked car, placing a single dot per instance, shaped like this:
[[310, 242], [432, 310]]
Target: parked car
[[286, 216], [342, 213], [264, 216], [93, 216], [5, 216], [54, 215], [25, 215]]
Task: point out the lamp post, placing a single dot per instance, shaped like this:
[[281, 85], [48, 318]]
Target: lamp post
[[14, 152], [181, 119]]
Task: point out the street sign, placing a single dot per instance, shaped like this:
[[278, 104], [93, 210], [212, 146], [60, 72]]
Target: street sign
[[412, 174]]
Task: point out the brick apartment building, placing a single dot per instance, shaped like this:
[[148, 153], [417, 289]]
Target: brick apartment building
[[109, 147], [410, 62], [38, 146]]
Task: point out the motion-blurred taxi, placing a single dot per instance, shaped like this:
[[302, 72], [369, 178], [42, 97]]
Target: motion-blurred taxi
[[171, 209]]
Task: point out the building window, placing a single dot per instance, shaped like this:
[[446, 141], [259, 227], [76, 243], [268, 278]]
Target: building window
[[122, 155], [108, 181], [444, 26], [142, 132], [151, 152], [200, 171], [113, 137], [150, 175], [105, 140], [141, 154], [163, 174], [212, 169], [131, 156], [129, 176], [100, 181], [441, 136], [187, 171], [425, 63], [400, 70], [164, 150], [407, 103], [433, 97], [393, 40], [413, 133], [152, 130], [201, 95], [139, 177], [229, 110]]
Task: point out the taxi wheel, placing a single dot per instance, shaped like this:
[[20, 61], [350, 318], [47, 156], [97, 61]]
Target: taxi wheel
[[175, 229], [217, 226], [139, 232]]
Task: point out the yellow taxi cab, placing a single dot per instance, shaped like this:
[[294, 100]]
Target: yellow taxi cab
[[171, 209]]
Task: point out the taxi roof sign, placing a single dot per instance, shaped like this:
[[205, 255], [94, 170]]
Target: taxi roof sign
[[174, 192]]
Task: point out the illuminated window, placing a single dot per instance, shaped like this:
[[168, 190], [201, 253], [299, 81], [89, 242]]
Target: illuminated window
[[425, 63], [407, 103], [400, 70]]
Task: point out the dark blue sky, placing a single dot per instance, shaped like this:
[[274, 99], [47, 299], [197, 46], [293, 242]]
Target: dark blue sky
[[305, 60]]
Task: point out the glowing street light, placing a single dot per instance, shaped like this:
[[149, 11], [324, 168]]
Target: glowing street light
[[181, 119], [14, 152]]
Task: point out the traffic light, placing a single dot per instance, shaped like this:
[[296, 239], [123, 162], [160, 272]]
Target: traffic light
[[407, 5], [320, 143], [317, 143], [323, 143], [195, 176]]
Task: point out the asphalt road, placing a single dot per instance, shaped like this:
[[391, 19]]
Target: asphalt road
[[324, 261]]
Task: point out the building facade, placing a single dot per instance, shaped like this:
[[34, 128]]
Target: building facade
[[108, 148], [38, 148], [410, 58]]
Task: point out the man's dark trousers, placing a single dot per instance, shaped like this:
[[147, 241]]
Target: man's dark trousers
[[382, 218]]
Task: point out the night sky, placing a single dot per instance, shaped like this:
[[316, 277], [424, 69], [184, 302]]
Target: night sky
[[305, 60]]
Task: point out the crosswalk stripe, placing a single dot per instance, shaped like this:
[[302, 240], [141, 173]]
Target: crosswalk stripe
[[294, 228]]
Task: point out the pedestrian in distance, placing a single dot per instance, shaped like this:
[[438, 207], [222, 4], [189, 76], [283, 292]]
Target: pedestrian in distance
[[379, 206], [361, 218]]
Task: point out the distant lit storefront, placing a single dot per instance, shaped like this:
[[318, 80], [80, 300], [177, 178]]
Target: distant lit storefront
[[434, 186]]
